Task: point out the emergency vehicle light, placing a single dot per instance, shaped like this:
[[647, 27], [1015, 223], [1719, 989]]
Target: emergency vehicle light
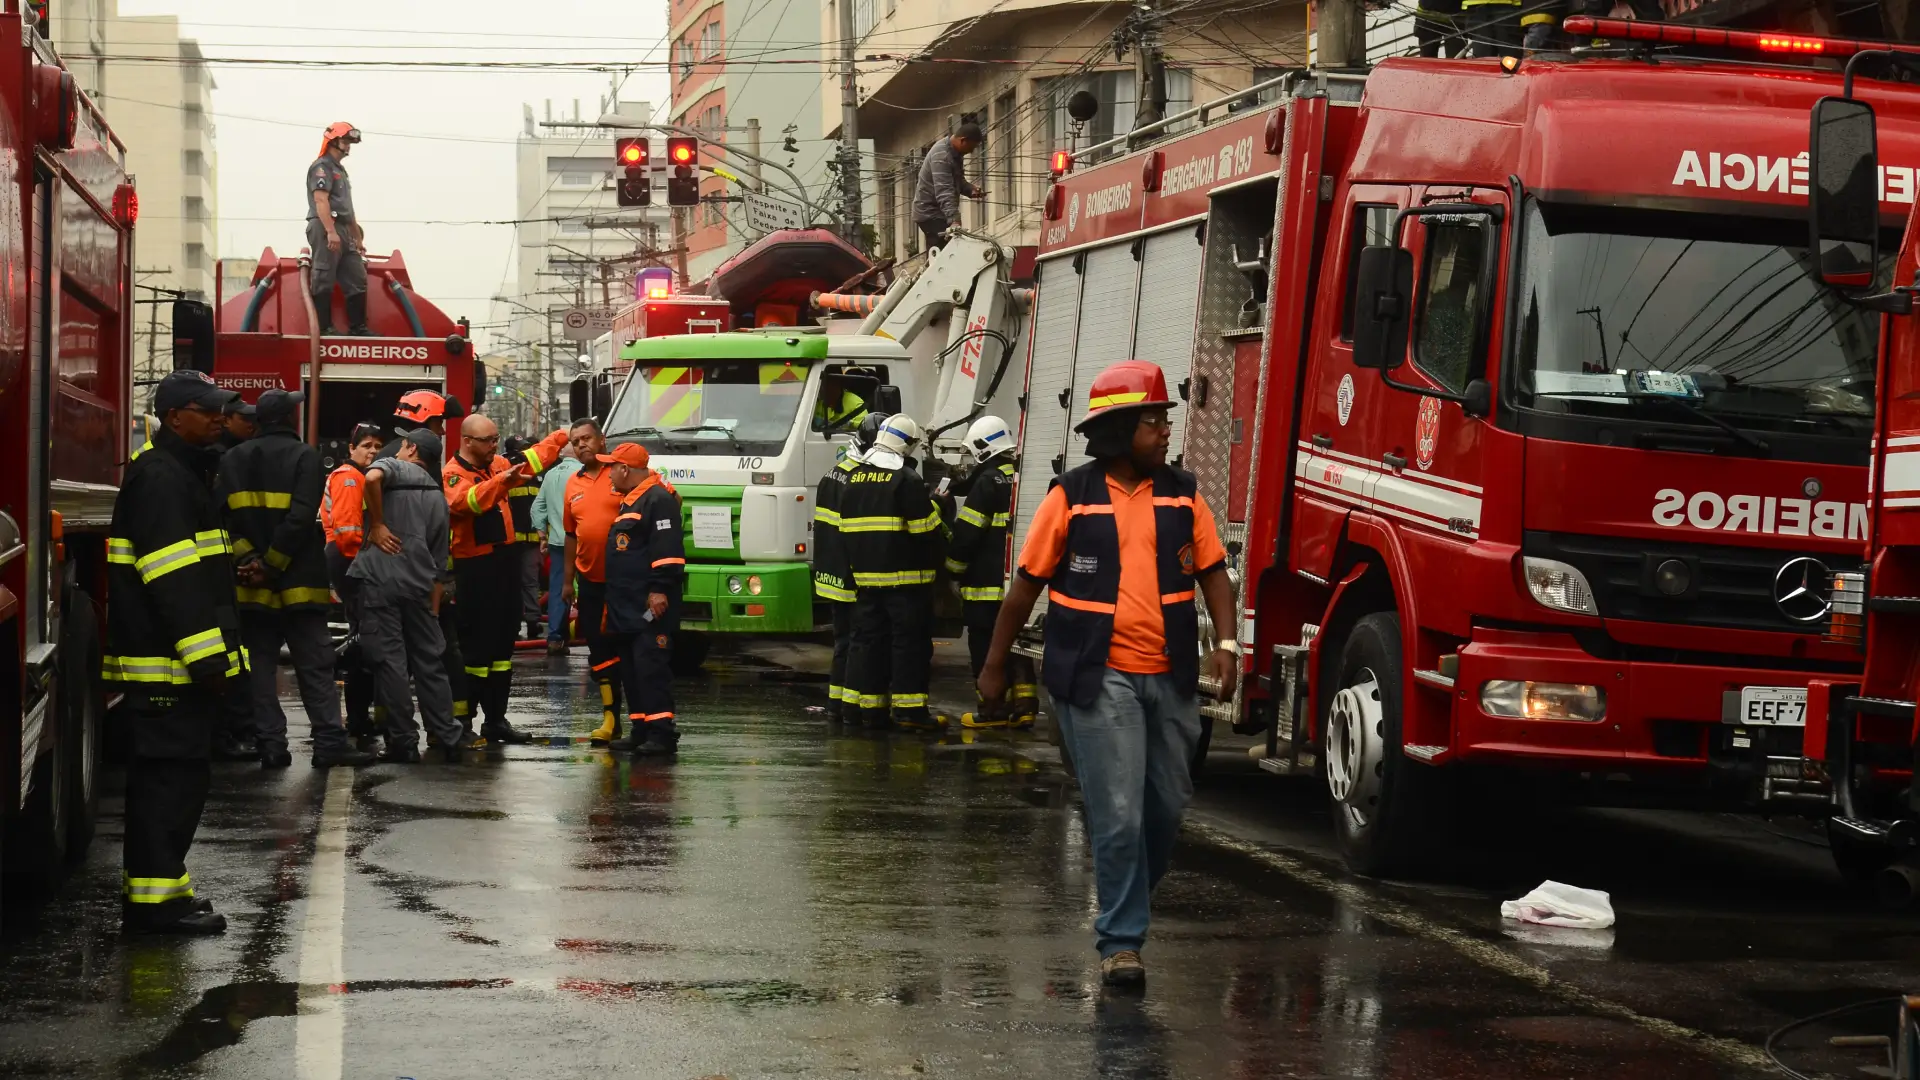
[[1062, 162], [126, 205], [1716, 37], [657, 292]]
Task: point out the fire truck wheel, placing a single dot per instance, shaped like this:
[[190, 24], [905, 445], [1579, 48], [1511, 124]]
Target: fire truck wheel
[[36, 843], [84, 707], [1382, 801]]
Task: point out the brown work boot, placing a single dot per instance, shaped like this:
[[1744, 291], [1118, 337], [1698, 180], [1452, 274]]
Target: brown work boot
[[1123, 969]]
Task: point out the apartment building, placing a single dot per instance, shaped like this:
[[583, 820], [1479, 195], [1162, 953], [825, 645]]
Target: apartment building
[[164, 114], [745, 74]]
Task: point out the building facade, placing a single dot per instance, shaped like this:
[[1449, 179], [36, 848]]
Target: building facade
[[745, 74], [164, 114]]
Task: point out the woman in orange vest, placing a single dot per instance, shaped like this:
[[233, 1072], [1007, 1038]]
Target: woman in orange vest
[[342, 514]]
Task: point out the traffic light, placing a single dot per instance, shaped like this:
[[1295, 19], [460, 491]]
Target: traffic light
[[631, 153], [683, 187], [498, 390], [635, 188]]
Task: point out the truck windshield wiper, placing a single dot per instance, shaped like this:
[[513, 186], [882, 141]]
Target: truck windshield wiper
[[643, 432], [1751, 442], [727, 431]]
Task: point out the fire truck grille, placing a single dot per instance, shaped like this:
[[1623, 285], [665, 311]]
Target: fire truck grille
[[1731, 587]]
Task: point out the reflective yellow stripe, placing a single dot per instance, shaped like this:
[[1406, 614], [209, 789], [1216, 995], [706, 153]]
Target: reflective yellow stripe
[[473, 500], [283, 598], [211, 542], [144, 669], [825, 516], [872, 524], [972, 517], [278, 559], [153, 890], [909, 701], [200, 646], [1000, 520], [926, 524], [533, 465], [1006, 469], [503, 665], [462, 708], [981, 592], [477, 672], [1530, 20], [898, 577], [271, 500], [869, 701], [120, 551], [243, 546], [523, 491], [955, 566], [144, 447], [166, 560], [834, 592], [1111, 400]]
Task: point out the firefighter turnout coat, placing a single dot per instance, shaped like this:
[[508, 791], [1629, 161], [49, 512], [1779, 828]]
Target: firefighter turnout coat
[[271, 488], [646, 553], [169, 573], [890, 529], [977, 554], [478, 500], [831, 578]]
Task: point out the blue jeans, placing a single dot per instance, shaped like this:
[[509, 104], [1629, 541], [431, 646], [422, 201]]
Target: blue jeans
[[1131, 750], [556, 607]]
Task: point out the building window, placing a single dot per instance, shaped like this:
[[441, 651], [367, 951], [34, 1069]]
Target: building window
[[685, 48], [194, 256], [711, 123], [885, 220], [710, 40], [862, 17], [193, 163], [909, 181], [574, 227], [193, 209], [1267, 74], [578, 179], [1005, 136]]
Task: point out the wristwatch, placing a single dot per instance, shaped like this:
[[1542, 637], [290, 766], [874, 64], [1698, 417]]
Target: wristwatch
[[1228, 644]]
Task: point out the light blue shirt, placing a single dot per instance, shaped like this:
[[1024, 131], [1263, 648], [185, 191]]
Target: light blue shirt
[[549, 504]]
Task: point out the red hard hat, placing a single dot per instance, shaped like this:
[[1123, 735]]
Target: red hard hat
[[1129, 384], [420, 406]]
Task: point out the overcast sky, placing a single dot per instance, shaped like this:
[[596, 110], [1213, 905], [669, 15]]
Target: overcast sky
[[438, 144]]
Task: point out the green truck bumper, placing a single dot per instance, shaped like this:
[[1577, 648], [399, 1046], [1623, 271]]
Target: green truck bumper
[[784, 604]]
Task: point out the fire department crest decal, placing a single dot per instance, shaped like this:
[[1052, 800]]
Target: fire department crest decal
[[662, 641], [1343, 398], [1073, 211], [1186, 559], [620, 542], [1426, 432]]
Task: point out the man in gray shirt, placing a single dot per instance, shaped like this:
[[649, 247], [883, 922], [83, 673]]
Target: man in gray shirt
[[334, 235], [943, 180], [400, 600]]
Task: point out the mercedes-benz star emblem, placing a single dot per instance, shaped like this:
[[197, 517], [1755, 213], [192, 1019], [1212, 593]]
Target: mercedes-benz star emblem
[[1803, 590]]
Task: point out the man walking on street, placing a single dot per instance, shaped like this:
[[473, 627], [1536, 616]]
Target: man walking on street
[[548, 519], [646, 566], [893, 539], [591, 505], [173, 643], [486, 563], [1120, 544], [977, 559], [334, 235], [271, 485], [400, 598], [943, 180]]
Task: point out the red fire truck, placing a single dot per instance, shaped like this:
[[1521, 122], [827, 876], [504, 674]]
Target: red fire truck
[[1532, 431], [67, 209], [263, 339]]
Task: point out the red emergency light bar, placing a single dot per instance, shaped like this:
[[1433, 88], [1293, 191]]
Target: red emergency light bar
[[1766, 41]]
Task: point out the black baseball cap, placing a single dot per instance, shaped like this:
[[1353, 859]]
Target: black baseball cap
[[241, 408], [427, 442], [187, 387], [276, 406]]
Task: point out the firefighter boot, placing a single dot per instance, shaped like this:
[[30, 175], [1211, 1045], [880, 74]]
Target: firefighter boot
[[609, 728], [661, 739], [323, 312], [357, 315]]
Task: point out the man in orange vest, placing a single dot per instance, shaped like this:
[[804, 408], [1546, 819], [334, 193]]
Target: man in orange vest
[[486, 563], [1120, 544], [588, 512]]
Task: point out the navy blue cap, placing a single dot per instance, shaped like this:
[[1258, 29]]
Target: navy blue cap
[[277, 406], [186, 387]]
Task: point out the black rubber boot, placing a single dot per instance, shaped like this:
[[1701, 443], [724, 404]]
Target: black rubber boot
[[323, 312], [357, 316]]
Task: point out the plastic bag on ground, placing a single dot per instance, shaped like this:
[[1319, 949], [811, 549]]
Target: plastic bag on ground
[[1555, 904]]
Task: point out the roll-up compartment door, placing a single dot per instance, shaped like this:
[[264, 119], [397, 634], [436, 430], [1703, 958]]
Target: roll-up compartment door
[[1056, 309], [1169, 300], [1107, 291]]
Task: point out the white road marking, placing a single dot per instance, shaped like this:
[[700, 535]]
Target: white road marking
[[1484, 953], [320, 1030]]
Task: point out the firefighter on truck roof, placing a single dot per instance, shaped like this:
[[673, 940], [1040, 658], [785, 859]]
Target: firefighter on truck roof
[[1120, 544], [334, 235]]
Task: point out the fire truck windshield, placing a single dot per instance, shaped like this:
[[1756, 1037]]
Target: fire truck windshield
[[1723, 315], [712, 406]]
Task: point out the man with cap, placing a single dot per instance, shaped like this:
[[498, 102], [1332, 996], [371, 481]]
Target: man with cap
[[271, 486], [1120, 544], [173, 643], [235, 739], [240, 425], [334, 235], [646, 559], [400, 597]]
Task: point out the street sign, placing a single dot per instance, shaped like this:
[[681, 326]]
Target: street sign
[[765, 215], [586, 323]]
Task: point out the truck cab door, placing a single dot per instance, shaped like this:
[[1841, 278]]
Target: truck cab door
[[1335, 459]]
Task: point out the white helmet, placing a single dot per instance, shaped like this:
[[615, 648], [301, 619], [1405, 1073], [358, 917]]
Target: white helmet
[[988, 436], [897, 435]]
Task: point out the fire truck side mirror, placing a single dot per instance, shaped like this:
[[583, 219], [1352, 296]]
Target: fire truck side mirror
[[889, 397], [1384, 294], [193, 336], [602, 397], [579, 400], [1843, 192]]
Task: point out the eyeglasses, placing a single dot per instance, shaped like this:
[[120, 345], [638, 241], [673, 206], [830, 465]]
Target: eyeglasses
[[1159, 423], [203, 410], [494, 438]]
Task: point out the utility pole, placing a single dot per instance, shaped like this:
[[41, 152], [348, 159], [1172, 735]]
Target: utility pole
[[1343, 33], [1149, 66], [680, 243], [753, 148], [850, 208]]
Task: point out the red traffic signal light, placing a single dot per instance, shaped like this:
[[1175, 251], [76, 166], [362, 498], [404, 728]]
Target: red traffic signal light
[[631, 153], [681, 150]]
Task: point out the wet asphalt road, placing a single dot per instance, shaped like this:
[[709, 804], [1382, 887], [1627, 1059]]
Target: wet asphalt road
[[796, 901]]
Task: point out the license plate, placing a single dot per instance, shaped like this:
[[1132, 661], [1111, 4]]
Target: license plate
[[1773, 706]]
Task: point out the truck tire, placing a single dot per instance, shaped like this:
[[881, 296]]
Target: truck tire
[[689, 652], [84, 705], [37, 840], [1385, 805]]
